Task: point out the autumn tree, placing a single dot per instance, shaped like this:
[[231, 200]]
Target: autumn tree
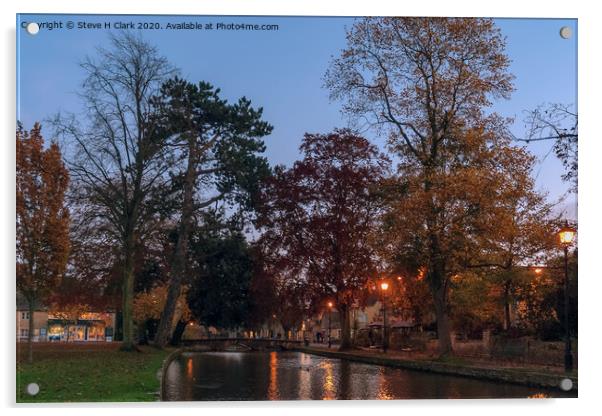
[[474, 300], [149, 304], [42, 247], [90, 279], [291, 304], [219, 147], [410, 295], [426, 82], [274, 292], [521, 231], [540, 299], [318, 214], [119, 160], [262, 290]]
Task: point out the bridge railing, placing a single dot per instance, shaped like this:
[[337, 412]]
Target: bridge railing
[[241, 339]]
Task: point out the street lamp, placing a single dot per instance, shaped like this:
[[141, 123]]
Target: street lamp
[[566, 235], [384, 286], [329, 320]]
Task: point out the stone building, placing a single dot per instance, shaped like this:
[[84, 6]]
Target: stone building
[[83, 326]]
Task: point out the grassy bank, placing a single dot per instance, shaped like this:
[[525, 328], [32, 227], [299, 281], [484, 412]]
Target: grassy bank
[[89, 373]]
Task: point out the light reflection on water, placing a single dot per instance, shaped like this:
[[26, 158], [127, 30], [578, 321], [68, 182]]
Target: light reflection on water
[[298, 376], [273, 389], [189, 375], [539, 396], [305, 377], [384, 392], [329, 388]]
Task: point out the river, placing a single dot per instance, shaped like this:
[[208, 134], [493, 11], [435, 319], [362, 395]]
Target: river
[[291, 375]]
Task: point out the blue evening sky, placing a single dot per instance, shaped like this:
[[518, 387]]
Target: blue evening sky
[[282, 72]]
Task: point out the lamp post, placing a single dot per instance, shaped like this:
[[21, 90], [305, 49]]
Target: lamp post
[[566, 236], [329, 321], [383, 287]]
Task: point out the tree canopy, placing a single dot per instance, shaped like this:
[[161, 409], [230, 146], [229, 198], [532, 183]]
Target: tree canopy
[[426, 82], [318, 216], [42, 247]]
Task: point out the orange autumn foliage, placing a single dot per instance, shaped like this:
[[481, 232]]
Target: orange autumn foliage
[[42, 229], [42, 218], [150, 304]]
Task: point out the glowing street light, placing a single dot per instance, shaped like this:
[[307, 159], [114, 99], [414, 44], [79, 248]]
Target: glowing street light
[[329, 321], [566, 236], [538, 270], [384, 286]]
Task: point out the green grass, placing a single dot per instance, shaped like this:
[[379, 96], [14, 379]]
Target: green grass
[[95, 373]]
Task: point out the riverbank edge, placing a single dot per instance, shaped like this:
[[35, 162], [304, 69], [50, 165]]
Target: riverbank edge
[[163, 375], [164, 367], [522, 377]]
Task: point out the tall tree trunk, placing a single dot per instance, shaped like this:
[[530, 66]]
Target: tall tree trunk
[[436, 273], [443, 327], [507, 323], [439, 292], [178, 332], [128, 299], [164, 331], [30, 334], [178, 267], [345, 323]]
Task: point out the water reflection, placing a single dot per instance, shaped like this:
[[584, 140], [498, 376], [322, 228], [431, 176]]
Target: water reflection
[[298, 376], [384, 390], [305, 377], [189, 369], [329, 388], [273, 389]]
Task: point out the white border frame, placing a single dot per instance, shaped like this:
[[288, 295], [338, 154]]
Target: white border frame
[[589, 190]]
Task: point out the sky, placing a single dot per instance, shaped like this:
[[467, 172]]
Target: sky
[[282, 71]]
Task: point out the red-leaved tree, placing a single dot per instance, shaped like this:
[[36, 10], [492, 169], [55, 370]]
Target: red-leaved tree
[[318, 216]]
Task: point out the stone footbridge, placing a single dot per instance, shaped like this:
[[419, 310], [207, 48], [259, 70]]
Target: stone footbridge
[[241, 344]]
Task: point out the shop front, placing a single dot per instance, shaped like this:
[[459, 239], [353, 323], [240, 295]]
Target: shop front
[[81, 330]]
